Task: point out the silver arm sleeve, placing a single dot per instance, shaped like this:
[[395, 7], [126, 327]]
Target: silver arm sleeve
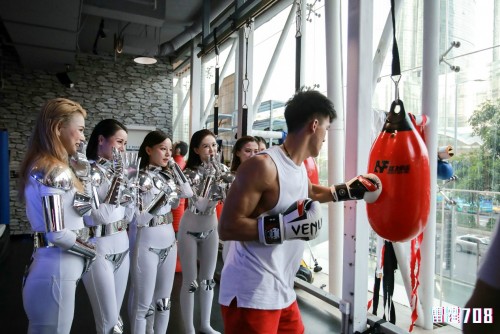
[[113, 195], [157, 203], [181, 180], [53, 213]]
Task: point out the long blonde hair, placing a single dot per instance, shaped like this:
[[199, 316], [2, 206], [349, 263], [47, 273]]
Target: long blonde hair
[[45, 147]]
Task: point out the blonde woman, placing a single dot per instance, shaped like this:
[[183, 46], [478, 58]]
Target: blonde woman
[[55, 202]]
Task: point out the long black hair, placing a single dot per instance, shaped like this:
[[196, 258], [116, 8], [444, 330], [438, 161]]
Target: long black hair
[[236, 161], [106, 128], [194, 160], [153, 138]]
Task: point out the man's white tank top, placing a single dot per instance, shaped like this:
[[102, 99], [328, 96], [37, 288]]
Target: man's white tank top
[[260, 276]]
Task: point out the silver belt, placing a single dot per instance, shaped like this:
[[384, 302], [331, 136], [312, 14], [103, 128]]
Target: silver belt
[[197, 212], [161, 220], [108, 229], [40, 238]]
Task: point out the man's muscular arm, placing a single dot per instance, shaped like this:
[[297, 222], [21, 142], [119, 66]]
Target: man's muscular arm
[[238, 220]]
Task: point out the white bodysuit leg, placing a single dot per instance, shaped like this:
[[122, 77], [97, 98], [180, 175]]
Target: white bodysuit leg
[[106, 281], [49, 290], [152, 276], [197, 235]]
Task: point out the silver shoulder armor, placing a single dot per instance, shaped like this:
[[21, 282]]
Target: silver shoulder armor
[[145, 181], [59, 177]]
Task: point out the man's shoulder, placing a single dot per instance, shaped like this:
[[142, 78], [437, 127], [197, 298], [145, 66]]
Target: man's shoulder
[[260, 163]]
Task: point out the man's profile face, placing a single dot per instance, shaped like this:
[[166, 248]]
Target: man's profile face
[[319, 137]]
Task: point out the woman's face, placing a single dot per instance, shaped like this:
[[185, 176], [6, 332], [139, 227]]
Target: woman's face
[[247, 151], [118, 140], [71, 133], [160, 153], [208, 147], [262, 146]]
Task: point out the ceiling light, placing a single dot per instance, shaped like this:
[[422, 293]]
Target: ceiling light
[[145, 60]]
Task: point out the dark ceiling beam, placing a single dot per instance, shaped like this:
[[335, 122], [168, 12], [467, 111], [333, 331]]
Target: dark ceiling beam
[[120, 15], [241, 15]]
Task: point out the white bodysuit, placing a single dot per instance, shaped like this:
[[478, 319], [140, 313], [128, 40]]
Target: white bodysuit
[[49, 288], [106, 280]]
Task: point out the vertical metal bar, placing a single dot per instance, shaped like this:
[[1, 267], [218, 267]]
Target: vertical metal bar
[[195, 89], [180, 111], [336, 134], [274, 59], [430, 89], [359, 113]]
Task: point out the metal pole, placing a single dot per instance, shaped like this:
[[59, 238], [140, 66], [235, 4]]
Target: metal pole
[[180, 111], [359, 113], [430, 88], [335, 91], [195, 89], [274, 60]]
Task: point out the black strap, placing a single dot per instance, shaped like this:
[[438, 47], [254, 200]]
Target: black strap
[[216, 85], [244, 121], [297, 62], [396, 67], [216, 45]]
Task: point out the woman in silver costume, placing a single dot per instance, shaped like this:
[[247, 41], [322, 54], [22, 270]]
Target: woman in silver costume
[[155, 249], [198, 235], [55, 203], [244, 148], [106, 280]]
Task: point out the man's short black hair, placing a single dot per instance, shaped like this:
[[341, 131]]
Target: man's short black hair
[[305, 106], [182, 146]]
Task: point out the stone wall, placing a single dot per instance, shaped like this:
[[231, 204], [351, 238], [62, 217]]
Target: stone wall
[[131, 93]]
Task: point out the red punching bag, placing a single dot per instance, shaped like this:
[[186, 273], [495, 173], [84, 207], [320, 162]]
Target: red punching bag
[[312, 170], [400, 159]]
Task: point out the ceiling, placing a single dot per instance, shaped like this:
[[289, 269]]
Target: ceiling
[[47, 35]]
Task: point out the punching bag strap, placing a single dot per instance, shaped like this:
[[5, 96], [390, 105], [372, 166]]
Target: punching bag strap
[[298, 44], [216, 85], [396, 67], [246, 83]]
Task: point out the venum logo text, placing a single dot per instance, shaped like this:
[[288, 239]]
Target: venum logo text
[[382, 165]]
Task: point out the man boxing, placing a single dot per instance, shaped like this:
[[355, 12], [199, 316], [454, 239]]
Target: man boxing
[[270, 208]]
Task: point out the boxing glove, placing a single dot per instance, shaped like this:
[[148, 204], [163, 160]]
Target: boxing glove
[[302, 220], [366, 186]]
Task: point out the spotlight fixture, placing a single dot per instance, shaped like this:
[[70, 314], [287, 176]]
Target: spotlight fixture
[[145, 60]]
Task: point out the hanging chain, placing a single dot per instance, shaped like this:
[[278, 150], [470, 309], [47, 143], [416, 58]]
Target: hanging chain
[[298, 19], [246, 81]]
